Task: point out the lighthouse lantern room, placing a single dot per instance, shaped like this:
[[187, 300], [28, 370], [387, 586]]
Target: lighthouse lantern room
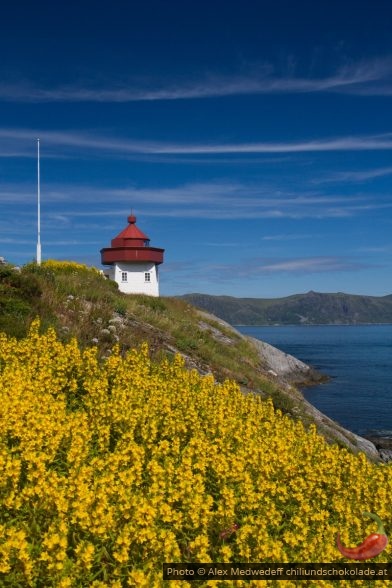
[[134, 264]]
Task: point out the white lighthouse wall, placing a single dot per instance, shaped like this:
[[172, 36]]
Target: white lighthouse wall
[[136, 282]]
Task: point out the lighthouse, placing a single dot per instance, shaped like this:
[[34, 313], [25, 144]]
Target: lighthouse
[[134, 264]]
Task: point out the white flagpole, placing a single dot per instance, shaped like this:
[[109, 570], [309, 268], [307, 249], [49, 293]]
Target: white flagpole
[[38, 209]]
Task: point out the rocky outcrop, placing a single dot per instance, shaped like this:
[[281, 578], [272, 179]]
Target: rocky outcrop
[[289, 373], [286, 367], [281, 365], [383, 443], [334, 432]]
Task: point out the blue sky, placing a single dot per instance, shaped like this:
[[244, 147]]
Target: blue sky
[[252, 139]]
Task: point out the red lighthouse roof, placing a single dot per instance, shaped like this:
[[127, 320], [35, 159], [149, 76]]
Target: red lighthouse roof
[[131, 245], [131, 235]]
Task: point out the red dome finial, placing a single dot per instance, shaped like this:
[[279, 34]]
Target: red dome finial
[[131, 246]]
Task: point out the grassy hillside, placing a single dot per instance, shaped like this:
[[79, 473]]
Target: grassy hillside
[[309, 309], [79, 302]]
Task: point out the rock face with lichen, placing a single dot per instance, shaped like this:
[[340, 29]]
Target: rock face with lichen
[[287, 367]]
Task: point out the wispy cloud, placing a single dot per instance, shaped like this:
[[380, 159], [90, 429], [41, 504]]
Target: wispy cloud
[[310, 265], [366, 77], [90, 144], [375, 249], [255, 268], [298, 265], [215, 200], [16, 241], [364, 143], [288, 237], [355, 176], [57, 242]]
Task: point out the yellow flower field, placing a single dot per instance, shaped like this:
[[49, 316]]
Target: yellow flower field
[[110, 469], [67, 266]]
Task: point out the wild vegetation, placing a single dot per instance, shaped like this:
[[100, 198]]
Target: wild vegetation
[[110, 467], [116, 455], [77, 301]]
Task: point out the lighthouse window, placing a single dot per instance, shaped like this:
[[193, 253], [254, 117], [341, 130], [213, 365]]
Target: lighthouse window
[[124, 276], [147, 277]]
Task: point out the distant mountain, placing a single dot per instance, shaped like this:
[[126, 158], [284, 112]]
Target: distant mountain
[[312, 308]]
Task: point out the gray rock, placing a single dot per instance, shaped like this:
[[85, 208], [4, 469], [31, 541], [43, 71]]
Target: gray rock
[[385, 454], [383, 445], [286, 366]]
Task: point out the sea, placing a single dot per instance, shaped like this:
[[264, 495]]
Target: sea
[[358, 360]]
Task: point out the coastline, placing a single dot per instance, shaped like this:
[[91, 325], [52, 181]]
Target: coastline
[[287, 367], [295, 374], [383, 444], [290, 375]]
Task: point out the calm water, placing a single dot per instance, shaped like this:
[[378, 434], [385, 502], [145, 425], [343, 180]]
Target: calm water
[[359, 361]]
